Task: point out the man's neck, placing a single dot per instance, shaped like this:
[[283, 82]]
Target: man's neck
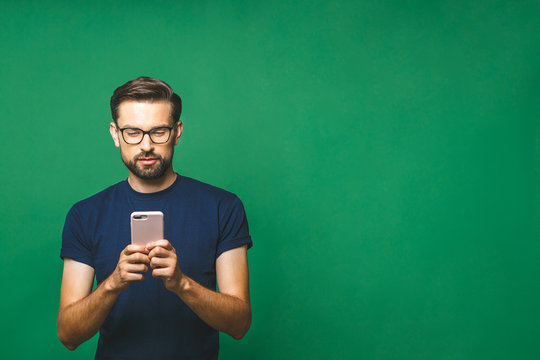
[[152, 186]]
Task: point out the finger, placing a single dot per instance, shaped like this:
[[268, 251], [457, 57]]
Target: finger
[[162, 243], [158, 262], [134, 277], [163, 273], [137, 258], [132, 249], [135, 268], [159, 252]]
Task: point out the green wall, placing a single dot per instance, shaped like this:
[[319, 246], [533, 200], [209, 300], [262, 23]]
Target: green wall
[[387, 154]]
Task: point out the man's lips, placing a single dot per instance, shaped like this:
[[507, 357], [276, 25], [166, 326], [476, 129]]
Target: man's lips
[[147, 161]]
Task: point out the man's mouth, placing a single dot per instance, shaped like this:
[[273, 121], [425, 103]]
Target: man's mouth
[[147, 161]]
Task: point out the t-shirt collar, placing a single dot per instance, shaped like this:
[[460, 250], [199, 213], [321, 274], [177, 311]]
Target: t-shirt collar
[[154, 195]]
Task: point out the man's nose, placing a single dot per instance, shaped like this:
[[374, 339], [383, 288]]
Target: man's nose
[[146, 143]]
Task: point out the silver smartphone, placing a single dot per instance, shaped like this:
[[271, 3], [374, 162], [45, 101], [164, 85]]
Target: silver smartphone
[[146, 226]]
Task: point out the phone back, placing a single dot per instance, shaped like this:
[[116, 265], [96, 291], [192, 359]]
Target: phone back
[[146, 226]]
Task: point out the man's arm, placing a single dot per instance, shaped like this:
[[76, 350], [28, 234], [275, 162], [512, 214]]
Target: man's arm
[[229, 310], [82, 312]]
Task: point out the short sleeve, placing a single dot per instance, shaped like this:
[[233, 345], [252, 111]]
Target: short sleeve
[[233, 226], [74, 243]]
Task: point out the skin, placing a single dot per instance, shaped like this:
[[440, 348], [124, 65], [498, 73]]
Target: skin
[[146, 115], [83, 311]]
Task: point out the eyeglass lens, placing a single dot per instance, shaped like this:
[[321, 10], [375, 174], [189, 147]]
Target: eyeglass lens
[[157, 135]]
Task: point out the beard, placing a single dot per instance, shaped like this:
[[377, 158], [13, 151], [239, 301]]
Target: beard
[[148, 172]]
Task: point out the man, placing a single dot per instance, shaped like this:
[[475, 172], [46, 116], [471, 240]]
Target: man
[[154, 301]]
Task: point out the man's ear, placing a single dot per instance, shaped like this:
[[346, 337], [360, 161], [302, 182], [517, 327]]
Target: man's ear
[[178, 127], [114, 134]]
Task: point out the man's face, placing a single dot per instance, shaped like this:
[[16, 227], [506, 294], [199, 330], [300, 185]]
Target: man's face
[[146, 160]]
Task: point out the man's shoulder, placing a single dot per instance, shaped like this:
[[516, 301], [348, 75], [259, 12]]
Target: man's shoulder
[[205, 190], [99, 199]]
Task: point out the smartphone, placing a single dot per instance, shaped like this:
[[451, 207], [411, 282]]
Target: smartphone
[[146, 226]]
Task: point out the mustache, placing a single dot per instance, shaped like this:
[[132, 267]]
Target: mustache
[[147, 155]]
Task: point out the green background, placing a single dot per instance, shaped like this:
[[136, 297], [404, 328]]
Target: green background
[[387, 154]]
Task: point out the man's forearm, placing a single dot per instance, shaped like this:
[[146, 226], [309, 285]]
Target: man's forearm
[[223, 312], [81, 320]]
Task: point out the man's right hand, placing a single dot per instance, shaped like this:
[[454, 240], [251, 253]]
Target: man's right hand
[[131, 267]]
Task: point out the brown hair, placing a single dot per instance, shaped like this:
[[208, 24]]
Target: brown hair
[[146, 89]]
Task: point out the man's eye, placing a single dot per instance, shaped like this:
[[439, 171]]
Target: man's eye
[[133, 133], [159, 132]]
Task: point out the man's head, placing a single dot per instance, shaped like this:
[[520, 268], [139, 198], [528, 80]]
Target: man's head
[[146, 126], [146, 89]]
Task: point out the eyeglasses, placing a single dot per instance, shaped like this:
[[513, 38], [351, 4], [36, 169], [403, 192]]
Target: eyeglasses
[[158, 135]]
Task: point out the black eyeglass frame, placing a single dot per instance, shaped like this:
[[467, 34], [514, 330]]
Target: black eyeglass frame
[[146, 132]]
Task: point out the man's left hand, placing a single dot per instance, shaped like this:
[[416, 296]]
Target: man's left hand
[[164, 264]]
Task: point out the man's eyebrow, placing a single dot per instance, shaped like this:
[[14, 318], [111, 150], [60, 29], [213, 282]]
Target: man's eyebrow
[[128, 126]]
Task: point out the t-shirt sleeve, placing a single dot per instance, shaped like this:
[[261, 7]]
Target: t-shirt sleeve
[[233, 226], [74, 243]]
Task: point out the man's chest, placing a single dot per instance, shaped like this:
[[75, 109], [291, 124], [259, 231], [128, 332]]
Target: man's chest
[[193, 233]]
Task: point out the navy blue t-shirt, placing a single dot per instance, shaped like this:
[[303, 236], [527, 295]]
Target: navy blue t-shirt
[[148, 321]]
